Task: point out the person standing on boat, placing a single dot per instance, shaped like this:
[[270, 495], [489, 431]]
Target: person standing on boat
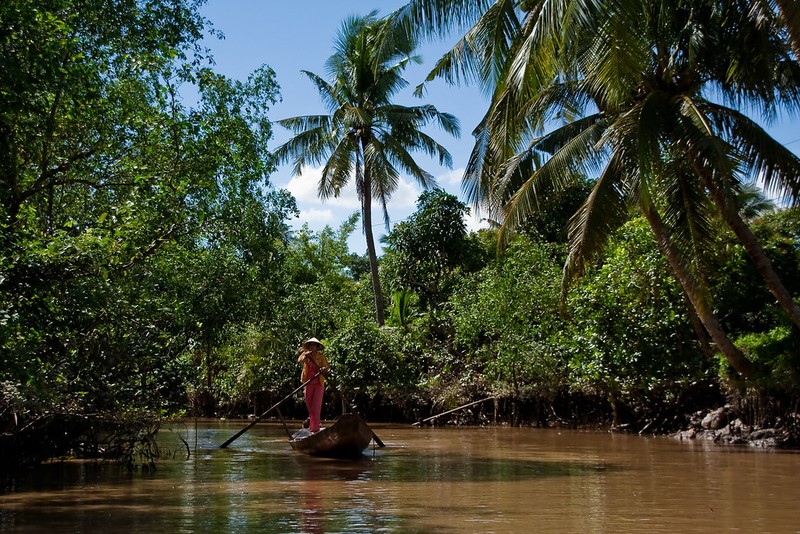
[[313, 360]]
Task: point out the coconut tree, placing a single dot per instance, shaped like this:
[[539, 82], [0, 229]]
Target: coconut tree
[[632, 88], [667, 83], [366, 137]]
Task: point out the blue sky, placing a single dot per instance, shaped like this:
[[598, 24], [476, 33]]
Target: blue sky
[[295, 36], [291, 36]]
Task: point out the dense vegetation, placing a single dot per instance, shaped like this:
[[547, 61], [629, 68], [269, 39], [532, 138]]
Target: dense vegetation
[[148, 270]]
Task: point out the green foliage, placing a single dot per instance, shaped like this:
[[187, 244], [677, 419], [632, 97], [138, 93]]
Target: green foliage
[[505, 316], [144, 256], [549, 222], [430, 251], [323, 255], [251, 360], [321, 296], [631, 331], [402, 309], [737, 285], [136, 229], [776, 350], [763, 331], [366, 358], [647, 94], [310, 292]]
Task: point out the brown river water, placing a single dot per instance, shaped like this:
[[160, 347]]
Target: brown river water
[[425, 480]]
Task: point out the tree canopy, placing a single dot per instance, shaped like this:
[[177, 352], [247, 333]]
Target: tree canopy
[[148, 269]]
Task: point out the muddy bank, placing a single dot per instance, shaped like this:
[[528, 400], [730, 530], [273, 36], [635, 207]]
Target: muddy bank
[[724, 426]]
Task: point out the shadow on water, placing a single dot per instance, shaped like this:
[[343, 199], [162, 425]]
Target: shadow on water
[[398, 468], [255, 459], [295, 467]]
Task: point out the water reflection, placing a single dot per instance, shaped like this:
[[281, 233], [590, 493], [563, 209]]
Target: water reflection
[[313, 507], [426, 480]]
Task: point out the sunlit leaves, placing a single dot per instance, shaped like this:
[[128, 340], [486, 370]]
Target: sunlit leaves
[[136, 225], [431, 250]]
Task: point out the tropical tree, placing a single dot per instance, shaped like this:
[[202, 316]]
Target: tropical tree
[[428, 252], [133, 225], [366, 137], [505, 319], [641, 93]]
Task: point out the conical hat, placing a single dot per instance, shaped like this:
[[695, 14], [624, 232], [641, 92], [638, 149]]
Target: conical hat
[[306, 343]]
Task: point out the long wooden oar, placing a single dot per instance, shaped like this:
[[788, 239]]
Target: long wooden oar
[[257, 419], [451, 411]]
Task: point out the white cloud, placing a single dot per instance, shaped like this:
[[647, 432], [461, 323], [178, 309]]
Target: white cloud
[[330, 211], [450, 181], [318, 218], [318, 213], [404, 198]]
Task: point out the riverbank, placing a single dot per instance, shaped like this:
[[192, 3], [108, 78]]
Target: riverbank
[[723, 426]]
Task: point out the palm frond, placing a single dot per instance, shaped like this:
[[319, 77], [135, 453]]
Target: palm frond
[[307, 148], [395, 151], [434, 18], [399, 117], [337, 170], [533, 62], [384, 177], [755, 52], [476, 182], [768, 161], [606, 208], [524, 187], [695, 132], [790, 12], [305, 123], [613, 60], [327, 91], [687, 213], [456, 66]]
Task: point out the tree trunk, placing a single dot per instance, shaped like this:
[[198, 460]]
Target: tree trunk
[[733, 355], [366, 208], [751, 245], [699, 329], [9, 187]]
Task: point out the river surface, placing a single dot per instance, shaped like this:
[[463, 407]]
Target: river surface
[[425, 480]]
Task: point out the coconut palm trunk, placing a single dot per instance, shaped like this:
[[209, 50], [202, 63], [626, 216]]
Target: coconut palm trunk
[[693, 291], [366, 209]]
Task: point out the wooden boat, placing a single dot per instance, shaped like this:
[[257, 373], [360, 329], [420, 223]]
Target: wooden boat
[[347, 437]]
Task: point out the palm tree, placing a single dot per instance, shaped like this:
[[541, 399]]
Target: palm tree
[[632, 88], [366, 137]]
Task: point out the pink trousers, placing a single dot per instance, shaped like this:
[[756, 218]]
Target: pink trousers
[[314, 392]]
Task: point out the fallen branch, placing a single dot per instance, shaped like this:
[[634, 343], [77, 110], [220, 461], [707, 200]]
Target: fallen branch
[[431, 418]]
